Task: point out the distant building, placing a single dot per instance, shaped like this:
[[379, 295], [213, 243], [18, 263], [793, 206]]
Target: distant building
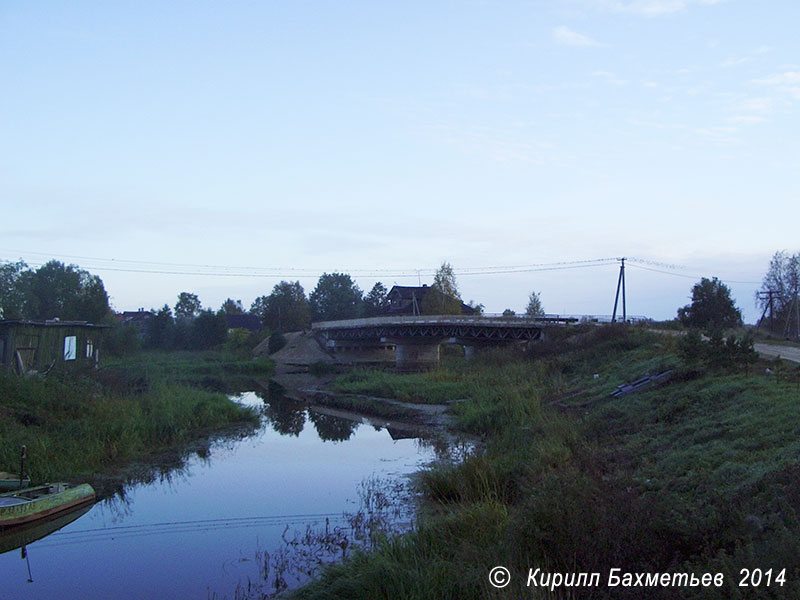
[[243, 321], [407, 300], [140, 319], [42, 346]]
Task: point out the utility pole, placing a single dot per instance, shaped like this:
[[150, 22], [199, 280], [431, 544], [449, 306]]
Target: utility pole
[[787, 329], [620, 282], [769, 295]]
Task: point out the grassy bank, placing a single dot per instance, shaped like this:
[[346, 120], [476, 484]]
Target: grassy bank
[[697, 475], [210, 370], [75, 426]]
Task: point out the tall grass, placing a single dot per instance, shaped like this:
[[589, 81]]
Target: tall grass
[[214, 370], [434, 387], [74, 427], [699, 475]]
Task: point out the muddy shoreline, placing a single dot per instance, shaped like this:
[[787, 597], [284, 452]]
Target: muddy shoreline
[[428, 420]]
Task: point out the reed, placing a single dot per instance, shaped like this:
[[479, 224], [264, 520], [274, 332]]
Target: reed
[[74, 427]]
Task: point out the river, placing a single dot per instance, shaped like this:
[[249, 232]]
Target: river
[[221, 522]]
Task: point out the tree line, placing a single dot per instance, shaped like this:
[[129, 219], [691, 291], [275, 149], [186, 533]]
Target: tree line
[[54, 290], [67, 292]]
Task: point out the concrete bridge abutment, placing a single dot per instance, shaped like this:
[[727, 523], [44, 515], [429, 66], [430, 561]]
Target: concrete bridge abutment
[[416, 354]]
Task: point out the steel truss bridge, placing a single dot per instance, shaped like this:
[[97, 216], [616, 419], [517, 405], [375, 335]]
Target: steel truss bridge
[[410, 340]]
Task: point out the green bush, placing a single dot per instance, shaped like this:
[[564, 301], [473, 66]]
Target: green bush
[[276, 341], [239, 343], [122, 340]]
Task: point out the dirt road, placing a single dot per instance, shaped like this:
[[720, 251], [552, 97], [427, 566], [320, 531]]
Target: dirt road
[[791, 353], [786, 352]]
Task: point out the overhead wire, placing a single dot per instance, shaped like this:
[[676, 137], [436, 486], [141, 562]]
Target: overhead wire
[[687, 276], [248, 271], [211, 270]]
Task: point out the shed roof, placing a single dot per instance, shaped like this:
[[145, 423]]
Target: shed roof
[[409, 291], [50, 323]]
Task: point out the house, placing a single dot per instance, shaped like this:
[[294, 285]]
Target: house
[[407, 300], [243, 321], [42, 346], [139, 319]]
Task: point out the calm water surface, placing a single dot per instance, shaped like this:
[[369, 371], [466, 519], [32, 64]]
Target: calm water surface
[[202, 530]]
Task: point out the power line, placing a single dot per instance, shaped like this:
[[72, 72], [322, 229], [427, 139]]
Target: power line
[[247, 271], [211, 270], [687, 275]]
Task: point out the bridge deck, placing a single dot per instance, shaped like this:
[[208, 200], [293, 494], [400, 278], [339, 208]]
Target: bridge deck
[[431, 327], [441, 320]]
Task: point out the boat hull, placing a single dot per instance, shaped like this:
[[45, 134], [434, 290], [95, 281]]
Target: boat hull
[[22, 535], [41, 502]]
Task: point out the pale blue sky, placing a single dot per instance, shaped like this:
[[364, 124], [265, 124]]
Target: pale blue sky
[[369, 136]]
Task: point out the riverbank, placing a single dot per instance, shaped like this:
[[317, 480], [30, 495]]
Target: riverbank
[[243, 516], [92, 427], [695, 475]]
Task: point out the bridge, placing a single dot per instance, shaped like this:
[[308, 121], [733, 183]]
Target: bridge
[[414, 341]]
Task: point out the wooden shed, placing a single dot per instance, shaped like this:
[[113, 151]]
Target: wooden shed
[[42, 346]]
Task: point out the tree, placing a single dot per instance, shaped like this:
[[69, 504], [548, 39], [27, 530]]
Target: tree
[[276, 341], [779, 292], [477, 308], [285, 309], [160, 329], [443, 297], [534, 308], [712, 307], [188, 306], [232, 307], [61, 291], [12, 299], [376, 301], [335, 297], [208, 330], [122, 340]]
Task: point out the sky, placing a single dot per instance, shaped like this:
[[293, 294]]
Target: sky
[[220, 148]]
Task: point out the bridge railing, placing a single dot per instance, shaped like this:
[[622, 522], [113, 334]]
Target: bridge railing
[[567, 318], [484, 319]]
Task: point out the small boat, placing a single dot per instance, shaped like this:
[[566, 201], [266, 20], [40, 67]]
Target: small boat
[[41, 502], [22, 535], [10, 481]]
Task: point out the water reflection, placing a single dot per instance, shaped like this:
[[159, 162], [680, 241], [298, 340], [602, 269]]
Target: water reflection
[[166, 469], [21, 536], [194, 521], [288, 417], [385, 508], [331, 428]]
